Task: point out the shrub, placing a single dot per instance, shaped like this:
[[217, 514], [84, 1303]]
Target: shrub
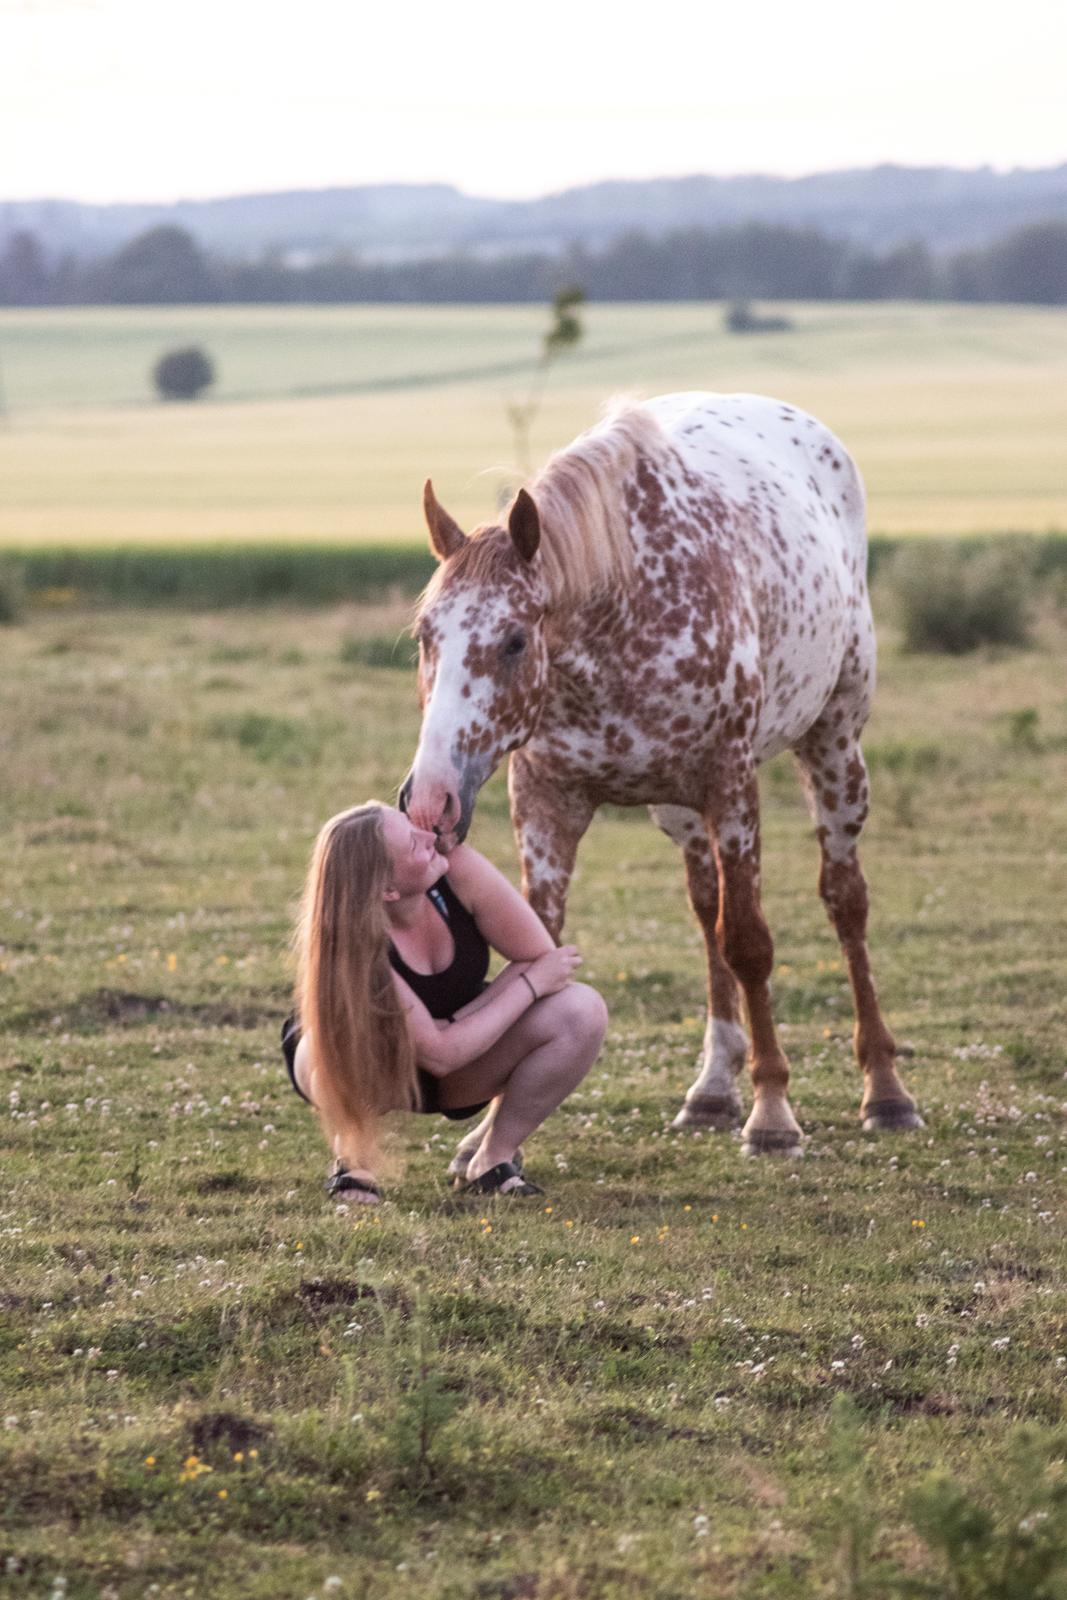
[[741, 317], [951, 598], [12, 594], [374, 651], [183, 374], [1006, 1540]]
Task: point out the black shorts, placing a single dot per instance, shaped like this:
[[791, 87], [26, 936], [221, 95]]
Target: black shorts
[[429, 1086]]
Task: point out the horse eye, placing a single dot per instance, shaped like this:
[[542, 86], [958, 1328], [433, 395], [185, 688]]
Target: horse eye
[[515, 645]]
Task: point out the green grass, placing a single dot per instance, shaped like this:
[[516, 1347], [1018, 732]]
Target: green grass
[[449, 1398], [327, 420]]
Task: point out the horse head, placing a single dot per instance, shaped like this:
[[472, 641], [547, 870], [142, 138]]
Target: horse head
[[483, 661]]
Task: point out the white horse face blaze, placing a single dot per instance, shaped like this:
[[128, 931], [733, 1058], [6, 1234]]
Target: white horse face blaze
[[483, 666]]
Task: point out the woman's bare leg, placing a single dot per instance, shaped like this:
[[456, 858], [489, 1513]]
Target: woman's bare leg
[[470, 1141], [532, 1069]]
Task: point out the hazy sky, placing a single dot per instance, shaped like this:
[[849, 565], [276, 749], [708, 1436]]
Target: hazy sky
[[155, 99]]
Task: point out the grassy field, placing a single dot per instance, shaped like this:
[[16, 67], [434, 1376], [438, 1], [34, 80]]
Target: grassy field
[[326, 420], [217, 1383]]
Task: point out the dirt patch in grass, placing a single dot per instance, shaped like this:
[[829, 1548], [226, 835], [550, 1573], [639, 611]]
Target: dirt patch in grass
[[334, 1291], [229, 1182], [215, 1431], [105, 1007]]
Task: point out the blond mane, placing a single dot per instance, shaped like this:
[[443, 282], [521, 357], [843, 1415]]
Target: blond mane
[[580, 495]]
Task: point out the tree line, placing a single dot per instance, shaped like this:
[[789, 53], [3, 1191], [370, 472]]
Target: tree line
[[167, 266]]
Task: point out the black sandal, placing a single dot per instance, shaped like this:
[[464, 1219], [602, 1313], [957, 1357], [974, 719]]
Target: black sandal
[[504, 1178], [340, 1181]]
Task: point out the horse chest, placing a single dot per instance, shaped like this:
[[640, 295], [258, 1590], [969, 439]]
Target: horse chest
[[632, 727]]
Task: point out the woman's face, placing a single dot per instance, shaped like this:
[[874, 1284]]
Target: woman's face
[[413, 855]]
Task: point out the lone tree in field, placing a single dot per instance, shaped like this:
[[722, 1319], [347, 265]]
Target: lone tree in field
[[565, 331], [164, 266], [183, 374]]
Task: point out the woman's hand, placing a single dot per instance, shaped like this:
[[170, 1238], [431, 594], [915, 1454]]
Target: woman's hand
[[554, 970]]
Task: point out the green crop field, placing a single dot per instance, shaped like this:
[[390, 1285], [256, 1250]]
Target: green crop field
[[325, 421], [678, 1374]]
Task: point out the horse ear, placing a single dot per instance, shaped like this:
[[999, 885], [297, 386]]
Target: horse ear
[[524, 525], [446, 536]]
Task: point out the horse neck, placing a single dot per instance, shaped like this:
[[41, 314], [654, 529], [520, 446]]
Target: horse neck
[[591, 628]]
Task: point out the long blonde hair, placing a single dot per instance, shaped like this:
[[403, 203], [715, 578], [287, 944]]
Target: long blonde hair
[[363, 1057]]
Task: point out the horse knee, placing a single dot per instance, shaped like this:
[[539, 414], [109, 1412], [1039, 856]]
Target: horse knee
[[843, 889], [748, 950]]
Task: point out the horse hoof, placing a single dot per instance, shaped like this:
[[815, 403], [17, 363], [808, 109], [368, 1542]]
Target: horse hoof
[[890, 1116], [710, 1111], [771, 1142]]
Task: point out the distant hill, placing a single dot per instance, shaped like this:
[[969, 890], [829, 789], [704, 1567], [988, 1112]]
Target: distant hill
[[875, 207]]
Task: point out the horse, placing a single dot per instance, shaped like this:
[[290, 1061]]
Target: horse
[[678, 595]]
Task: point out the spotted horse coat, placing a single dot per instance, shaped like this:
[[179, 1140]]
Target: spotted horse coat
[[680, 594]]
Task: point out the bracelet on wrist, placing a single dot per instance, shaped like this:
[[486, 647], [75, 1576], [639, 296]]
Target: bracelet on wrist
[[529, 985]]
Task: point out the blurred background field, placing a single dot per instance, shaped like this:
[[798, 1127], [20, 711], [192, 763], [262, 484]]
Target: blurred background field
[[324, 421]]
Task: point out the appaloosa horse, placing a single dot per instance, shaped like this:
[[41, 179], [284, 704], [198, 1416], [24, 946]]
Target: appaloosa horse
[[681, 595]]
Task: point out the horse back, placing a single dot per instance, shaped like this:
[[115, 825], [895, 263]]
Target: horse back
[[786, 512]]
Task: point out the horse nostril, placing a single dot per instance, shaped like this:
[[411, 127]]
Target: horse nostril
[[405, 795]]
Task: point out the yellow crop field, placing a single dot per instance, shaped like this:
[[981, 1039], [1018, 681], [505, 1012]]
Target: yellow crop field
[[325, 421]]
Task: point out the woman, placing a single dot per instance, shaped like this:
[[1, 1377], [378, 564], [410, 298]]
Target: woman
[[393, 948]]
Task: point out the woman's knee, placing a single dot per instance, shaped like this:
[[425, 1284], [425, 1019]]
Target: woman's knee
[[579, 1010], [303, 1069]]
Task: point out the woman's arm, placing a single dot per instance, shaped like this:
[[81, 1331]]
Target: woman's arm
[[511, 926], [442, 1047], [506, 975]]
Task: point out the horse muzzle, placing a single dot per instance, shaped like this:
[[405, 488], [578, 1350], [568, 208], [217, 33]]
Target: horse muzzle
[[444, 806]]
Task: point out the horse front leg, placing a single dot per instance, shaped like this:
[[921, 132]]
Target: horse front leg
[[549, 820], [712, 1101], [748, 950], [549, 823]]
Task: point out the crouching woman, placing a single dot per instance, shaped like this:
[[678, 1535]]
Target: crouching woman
[[393, 1011]]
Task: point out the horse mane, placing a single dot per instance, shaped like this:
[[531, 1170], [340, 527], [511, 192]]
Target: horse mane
[[580, 495]]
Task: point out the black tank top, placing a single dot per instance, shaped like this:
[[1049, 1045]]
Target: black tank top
[[444, 993]]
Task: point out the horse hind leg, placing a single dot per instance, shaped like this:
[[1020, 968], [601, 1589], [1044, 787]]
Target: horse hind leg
[[834, 776], [712, 1101]]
